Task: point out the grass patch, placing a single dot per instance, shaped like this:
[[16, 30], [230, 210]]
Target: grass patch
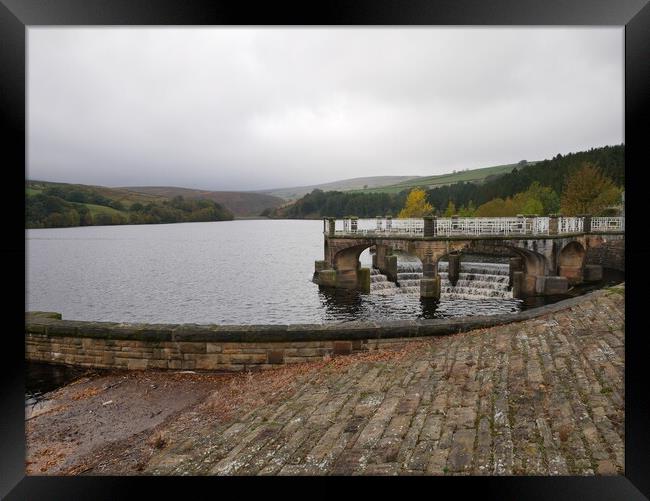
[[615, 290], [474, 175], [101, 209]]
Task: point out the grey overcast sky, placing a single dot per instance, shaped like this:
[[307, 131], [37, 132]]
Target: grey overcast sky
[[246, 109]]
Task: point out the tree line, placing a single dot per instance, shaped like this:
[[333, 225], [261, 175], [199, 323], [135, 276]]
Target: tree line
[[583, 182], [321, 203], [553, 174], [57, 207]]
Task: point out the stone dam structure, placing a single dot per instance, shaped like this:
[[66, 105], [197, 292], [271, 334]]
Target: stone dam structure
[[546, 255]]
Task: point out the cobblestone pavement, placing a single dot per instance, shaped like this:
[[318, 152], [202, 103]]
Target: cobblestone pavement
[[541, 397]]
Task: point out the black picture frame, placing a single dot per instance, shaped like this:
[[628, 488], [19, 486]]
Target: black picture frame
[[17, 15]]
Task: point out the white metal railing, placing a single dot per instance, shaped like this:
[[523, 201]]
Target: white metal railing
[[402, 226], [570, 224], [607, 224], [410, 226], [475, 226], [492, 226]]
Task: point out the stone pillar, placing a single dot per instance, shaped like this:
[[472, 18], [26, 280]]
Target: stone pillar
[[379, 259], [517, 282], [430, 288], [331, 226], [354, 224], [379, 224], [363, 280], [326, 278], [389, 223], [454, 267], [390, 268], [586, 224], [553, 224], [430, 283], [429, 226], [516, 264]]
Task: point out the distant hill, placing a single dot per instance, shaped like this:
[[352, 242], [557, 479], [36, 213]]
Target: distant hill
[[56, 205], [240, 203], [357, 183], [122, 195]]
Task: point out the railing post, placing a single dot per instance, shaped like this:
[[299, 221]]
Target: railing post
[[354, 224], [429, 226], [521, 223], [553, 224], [389, 223], [378, 219], [586, 223], [454, 221]]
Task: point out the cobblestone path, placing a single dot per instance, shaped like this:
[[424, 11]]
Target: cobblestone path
[[541, 397]]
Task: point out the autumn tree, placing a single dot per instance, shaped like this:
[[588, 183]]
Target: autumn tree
[[416, 205], [497, 207], [588, 191]]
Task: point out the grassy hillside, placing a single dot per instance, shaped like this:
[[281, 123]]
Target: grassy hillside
[[470, 175], [357, 183], [122, 195], [240, 203]]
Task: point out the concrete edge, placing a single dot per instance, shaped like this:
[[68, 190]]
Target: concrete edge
[[51, 324]]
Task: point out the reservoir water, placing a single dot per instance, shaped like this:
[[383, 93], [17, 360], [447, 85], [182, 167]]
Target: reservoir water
[[231, 272]]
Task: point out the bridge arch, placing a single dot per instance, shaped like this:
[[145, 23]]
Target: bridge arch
[[571, 261], [348, 258]]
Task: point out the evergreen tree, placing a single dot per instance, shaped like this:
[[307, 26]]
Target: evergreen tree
[[451, 209]]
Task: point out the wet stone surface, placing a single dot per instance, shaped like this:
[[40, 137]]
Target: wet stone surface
[[539, 397]]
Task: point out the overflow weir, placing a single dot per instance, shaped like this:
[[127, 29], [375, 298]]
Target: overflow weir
[[546, 255]]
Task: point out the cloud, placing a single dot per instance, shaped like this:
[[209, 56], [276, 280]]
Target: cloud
[[233, 108]]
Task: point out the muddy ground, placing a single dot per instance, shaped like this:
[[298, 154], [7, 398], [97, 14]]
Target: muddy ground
[[105, 422]]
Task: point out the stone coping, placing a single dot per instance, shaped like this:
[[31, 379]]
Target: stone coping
[[51, 324]]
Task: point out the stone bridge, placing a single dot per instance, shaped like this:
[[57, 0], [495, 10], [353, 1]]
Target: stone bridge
[[547, 254]]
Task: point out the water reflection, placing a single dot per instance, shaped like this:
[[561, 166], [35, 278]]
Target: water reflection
[[341, 302], [429, 307]]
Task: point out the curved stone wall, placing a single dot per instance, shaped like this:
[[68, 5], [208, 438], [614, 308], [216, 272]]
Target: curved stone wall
[[110, 345]]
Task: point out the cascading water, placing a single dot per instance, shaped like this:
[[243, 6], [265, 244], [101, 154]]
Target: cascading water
[[481, 289], [379, 283], [476, 280]]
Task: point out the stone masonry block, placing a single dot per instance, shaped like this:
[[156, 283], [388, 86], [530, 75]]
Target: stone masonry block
[[275, 356], [342, 347]]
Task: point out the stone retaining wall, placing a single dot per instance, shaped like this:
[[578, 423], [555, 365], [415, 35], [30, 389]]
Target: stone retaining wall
[[609, 252], [108, 345]]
